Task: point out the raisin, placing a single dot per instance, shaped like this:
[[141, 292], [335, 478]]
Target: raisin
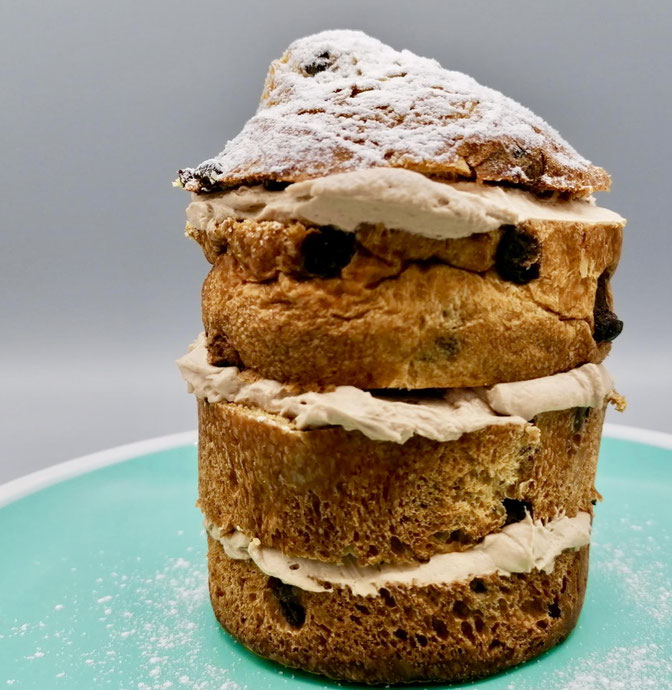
[[581, 414], [517, 256], [449, 345], [289, 603], [515, 509], [328, 251], [607, 325], [206, 174], [320, 64]]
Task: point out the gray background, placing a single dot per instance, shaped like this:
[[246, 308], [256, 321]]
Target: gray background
[[102, 103]]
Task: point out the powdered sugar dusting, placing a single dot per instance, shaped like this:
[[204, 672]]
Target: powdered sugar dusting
[[621, 668], [642, 568], [624, 668], [156, 619], [631, 582], [341, 100]]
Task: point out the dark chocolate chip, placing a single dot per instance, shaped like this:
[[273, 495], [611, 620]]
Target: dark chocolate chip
[[515, 509], [275, 185], [517, 256], [328, 251], [581, 414], [289, 603], [321, 63], [607, 325]]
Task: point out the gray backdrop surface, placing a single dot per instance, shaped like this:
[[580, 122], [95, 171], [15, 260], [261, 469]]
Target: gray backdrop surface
[[103, 102]]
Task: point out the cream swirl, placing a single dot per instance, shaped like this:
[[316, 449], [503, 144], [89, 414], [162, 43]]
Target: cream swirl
[[459, 411], [397, 198], [518, 548]]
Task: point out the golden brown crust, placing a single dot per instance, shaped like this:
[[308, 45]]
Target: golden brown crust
[[325, 493], [365, 105], [444, 633], [405, 312]]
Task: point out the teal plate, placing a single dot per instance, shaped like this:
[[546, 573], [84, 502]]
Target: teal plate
[[103, 580]]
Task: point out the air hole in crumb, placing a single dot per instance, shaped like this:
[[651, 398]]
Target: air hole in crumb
[[440, 628], [387, 598], [467, 630], [477, 585], [422, 640], [581, 415], [459, 537], [361, 608], [401, 634], [275, 185], [288, 602], [396, 545], [554, 610], [372, 551], [495, 643], [516, 509], [478, 624], [577, 438], [460, 609], [542, 624]]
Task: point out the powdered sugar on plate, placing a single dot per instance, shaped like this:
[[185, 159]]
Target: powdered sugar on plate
[[341, 100], [157, 619], [634, 584], [123, 602]]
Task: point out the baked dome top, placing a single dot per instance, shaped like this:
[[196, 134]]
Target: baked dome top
[[338, 101]]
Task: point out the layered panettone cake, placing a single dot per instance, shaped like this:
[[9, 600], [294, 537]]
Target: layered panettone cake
[[400, 383]]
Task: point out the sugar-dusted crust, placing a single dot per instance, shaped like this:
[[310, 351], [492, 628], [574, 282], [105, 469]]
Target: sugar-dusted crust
[[444, 633], [407, 311], [325, 493], [340, 101]]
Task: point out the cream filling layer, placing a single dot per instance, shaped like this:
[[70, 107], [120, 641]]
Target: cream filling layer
[[459, 411], [519, 548], [397, 198]]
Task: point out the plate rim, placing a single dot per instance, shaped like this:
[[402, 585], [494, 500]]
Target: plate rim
[[31, 483]]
